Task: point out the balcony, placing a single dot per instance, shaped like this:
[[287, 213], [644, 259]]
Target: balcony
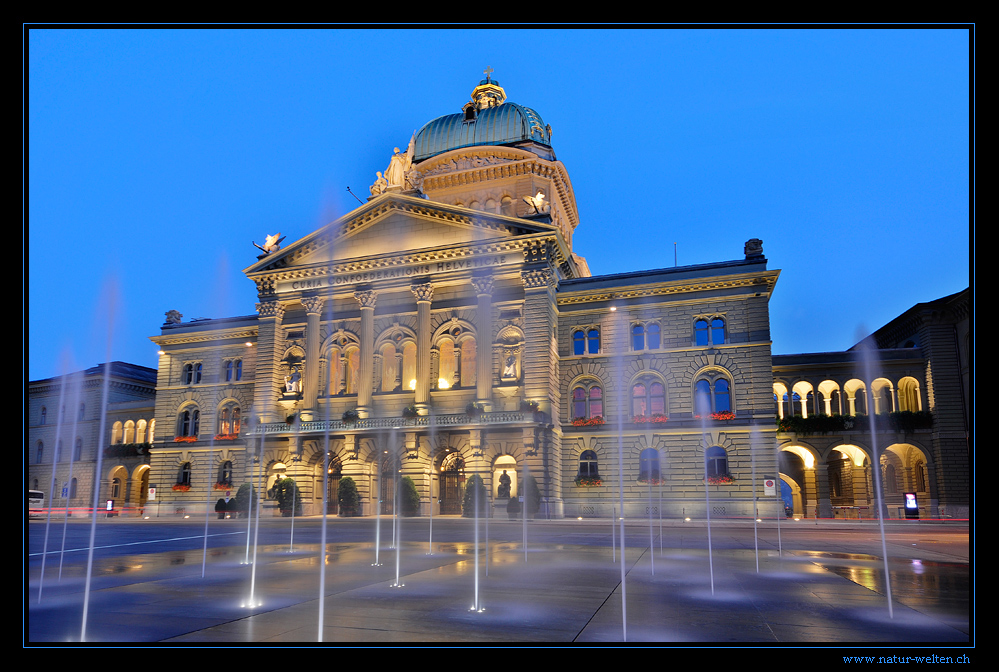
[[451, 421]]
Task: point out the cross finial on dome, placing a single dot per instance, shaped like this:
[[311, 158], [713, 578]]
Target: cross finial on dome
[[487, 72]]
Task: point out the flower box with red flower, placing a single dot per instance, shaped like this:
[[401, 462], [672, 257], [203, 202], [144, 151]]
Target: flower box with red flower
[[185, 439], [222, 486], [656, 418], [225, 437], [588, 422], [181, 487], [588, 482], [721, 480]]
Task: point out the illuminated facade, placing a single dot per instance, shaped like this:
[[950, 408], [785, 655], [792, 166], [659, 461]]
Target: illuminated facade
[[917, 383], [451, 314], [447, 327]]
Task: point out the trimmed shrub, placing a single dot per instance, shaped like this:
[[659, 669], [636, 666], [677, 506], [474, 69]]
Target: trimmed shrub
[[348, 499]]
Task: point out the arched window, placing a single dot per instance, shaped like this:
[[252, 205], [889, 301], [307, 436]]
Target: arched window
[[225, 473], [192, 373], [587, 401], [83, 408], [44, 415], [129, 431], [184, 476], [390, 369], [72, 488], [448, 375], [716, 462], [588, 465], [78, 450], [648, 397], [908, 395], [353, 370], [717, 331], [468, 366], [701, 332], [652, 337], [578, 344], [229, 419], [648, 465], [409, 365], [189, 422], [115, 488], [233, 370], [140, 431], [58, 451], [152, 430], [116, 433], [713, 395], [638, 337], [712, 333], [593, 341]]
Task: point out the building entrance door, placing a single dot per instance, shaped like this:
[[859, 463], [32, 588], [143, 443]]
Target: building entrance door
[[452, 485]]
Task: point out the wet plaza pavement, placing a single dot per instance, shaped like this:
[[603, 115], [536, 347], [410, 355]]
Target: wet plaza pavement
[[820, 584]]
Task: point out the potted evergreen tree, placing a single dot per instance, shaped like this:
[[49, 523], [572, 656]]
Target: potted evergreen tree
[[474, 485], [348, 499], [409, 497], [287, 494]]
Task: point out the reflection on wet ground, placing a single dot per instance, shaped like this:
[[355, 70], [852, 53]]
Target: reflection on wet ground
[[920, 584], [556, 592]]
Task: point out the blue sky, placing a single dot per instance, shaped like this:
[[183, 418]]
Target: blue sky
[[157, 157]]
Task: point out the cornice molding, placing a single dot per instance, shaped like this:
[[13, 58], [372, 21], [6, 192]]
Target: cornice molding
[[765, 282], [525, 248], [204, 336]]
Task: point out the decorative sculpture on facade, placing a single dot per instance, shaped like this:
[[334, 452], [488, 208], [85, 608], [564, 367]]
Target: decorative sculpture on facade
[[538, 204], [271, 243], [380, 185]]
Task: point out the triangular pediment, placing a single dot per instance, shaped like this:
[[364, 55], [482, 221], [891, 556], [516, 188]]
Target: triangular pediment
[[394, 224]]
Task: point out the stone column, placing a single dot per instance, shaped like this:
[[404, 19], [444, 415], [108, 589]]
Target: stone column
[[824, 505], [268, 378], [366, 298], [313, 309], [539, 362], [484, 341], [424, 293], [861, 496]]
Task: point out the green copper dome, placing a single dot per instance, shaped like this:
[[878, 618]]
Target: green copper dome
[[488, 120]]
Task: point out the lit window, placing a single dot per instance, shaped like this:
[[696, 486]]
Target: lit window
[[648, 397], [229, 420], [587, 401]]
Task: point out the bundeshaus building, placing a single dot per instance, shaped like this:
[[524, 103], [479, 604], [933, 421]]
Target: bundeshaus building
[[447, 329]]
